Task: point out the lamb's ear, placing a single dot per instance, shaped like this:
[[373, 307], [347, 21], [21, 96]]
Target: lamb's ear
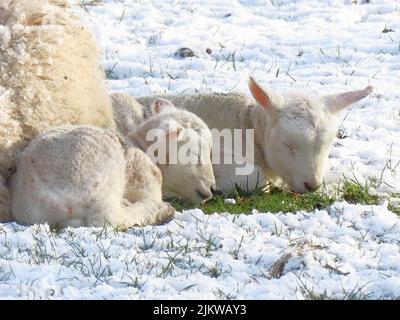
[[268, 100], [171, 129], [338, 102], [161, 105]]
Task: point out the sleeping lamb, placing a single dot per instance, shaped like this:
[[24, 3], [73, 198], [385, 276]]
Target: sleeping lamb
[[293, 133], [190, 180], [86, 176]]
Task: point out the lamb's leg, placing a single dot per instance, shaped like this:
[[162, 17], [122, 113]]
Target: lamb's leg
[[127, 215], [5, 204], [142, 213], [143, 190], [141, 203]]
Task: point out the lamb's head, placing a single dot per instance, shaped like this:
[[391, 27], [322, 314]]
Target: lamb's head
[[179, 142], [299, 132]]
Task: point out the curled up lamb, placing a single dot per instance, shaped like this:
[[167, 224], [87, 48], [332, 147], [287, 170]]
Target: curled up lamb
[[86, 176]]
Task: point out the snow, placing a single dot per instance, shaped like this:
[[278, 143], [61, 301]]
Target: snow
[[347, 251], [230, 201]]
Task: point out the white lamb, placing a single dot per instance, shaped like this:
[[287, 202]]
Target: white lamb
[[190, 181], [49, 76], [86, 176], [293, 133]]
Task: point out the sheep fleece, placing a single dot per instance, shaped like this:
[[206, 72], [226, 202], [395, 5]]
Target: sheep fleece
[[49, 76]]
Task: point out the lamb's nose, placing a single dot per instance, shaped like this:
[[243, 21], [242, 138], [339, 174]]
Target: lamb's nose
[[309, 187], [205, 195], [210, 195]]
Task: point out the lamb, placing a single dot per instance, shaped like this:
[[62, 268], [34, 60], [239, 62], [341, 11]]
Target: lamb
[[49, 76], [86, 176], [293, 133], [192, 181]]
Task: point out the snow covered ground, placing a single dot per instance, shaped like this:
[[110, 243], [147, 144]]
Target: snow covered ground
[[347, 251]]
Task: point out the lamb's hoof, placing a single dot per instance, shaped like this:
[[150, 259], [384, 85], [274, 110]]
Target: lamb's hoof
[[167, 212]]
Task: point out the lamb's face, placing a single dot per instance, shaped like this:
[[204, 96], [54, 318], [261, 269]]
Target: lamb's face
[[191, 175], [298, 143], [300, 132], [182, 152]]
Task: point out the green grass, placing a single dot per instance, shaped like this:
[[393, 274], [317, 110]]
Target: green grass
[[354, 192], [280, 201], [394, 203], [394, 208], [273, 201]]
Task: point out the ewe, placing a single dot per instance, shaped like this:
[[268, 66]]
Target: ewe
[[86, 176], [49, 76], [293, 133], [191, 179]]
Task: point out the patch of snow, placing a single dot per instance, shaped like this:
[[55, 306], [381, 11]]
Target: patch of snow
[[347, 248], [230, 201]]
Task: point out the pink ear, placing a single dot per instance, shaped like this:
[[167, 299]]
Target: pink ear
[[161, 105], [157, 107], [259, 94], [174, 135], [338, 102], [172, 129]]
